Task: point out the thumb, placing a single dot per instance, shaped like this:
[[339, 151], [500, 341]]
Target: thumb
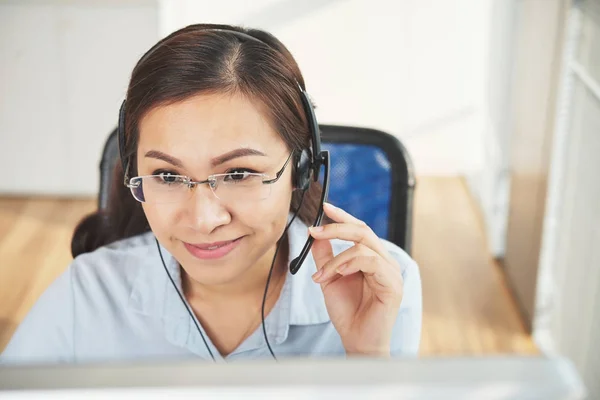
[[322, 252]]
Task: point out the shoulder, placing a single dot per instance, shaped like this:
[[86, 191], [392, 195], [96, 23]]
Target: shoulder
[[114, 264], [122, 250], [46, 334]]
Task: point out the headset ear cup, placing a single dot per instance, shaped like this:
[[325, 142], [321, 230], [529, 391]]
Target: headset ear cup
[[303, 168]]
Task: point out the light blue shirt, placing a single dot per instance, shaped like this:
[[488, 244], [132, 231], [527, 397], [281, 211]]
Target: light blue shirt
[[118, 304]]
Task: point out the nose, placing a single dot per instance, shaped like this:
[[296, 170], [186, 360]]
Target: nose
[[205, 212]]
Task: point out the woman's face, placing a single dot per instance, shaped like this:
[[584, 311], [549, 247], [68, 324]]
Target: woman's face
[[191, 138]]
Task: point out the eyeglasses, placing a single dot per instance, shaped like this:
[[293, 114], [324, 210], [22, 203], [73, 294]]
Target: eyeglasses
[[231, 187]]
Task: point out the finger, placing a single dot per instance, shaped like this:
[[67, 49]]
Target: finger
[[362, 263], [330, 269], [322, 252], [360, 234], [382, 280], [330, 281], [339, 215]]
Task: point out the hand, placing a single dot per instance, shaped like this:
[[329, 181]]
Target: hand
[[362, 285]]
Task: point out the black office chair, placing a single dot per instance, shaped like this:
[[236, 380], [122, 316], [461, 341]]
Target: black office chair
[[372, 177]]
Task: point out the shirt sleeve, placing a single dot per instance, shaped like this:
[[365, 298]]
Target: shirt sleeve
[[46, 333], [406, 334]]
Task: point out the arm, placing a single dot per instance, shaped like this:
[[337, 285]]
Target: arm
[[46, 333]]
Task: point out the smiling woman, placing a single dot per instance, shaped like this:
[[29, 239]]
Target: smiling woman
[[216, 153]]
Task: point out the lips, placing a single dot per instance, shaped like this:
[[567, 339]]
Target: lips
[[211, 251], [211, 246]]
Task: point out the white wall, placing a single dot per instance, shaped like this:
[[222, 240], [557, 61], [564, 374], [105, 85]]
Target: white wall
[[63, 74], [414, 68], [490, 181]]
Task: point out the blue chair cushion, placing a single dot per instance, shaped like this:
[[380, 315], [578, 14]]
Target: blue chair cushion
[[360, 183]]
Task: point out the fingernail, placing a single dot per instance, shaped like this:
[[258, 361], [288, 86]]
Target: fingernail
[[316, 228], [317, 275]]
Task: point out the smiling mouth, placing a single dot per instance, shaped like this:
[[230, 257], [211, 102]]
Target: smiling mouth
[[212, 246], [212, 250]]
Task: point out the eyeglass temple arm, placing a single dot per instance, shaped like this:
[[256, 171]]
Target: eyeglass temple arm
[[297, 262], [280, 172]]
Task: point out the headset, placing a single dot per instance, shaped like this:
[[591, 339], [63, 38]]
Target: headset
[[308, 164]]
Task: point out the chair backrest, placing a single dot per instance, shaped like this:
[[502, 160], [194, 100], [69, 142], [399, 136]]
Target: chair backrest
[[372, 177]]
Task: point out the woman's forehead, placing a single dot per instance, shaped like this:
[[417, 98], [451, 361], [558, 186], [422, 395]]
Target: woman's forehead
[[214, 122]]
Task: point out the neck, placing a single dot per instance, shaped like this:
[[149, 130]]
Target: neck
[[251, 284]]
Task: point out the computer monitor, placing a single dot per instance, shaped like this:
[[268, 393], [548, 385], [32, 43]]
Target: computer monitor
[[425, 378]]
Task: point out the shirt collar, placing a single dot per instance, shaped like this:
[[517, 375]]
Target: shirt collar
[[152, 292]]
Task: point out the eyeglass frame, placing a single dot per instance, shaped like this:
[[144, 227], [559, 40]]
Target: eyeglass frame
[[210, 180]]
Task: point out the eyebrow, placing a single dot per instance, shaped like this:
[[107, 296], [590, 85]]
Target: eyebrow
[[223, 158]]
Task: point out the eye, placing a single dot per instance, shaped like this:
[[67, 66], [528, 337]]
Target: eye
[[168, 177], [238, 174]]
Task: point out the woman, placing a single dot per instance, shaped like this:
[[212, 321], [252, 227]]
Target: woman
[[176, 269]]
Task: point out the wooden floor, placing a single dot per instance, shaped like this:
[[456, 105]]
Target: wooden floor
[[467, 307]]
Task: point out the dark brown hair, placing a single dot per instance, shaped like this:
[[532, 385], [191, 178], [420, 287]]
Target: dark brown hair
[[198, 59]]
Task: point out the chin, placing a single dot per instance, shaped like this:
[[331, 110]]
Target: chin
[[214, 277]]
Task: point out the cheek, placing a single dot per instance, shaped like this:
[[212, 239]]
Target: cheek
[[267, 213], [160, 218]]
